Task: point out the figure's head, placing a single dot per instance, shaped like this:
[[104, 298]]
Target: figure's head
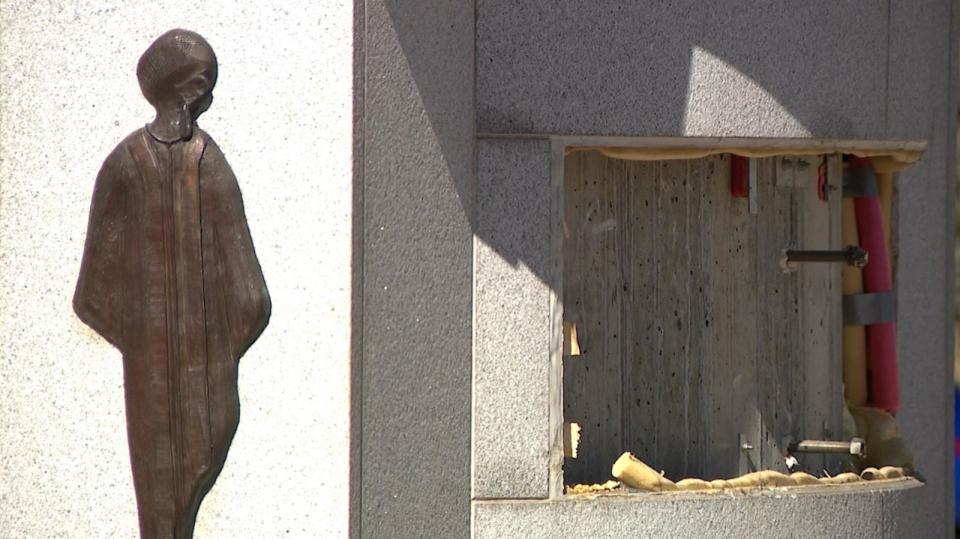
[[178, 72]]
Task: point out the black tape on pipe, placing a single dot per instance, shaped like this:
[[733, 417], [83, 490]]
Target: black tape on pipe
[[859, 183], [868, 309]]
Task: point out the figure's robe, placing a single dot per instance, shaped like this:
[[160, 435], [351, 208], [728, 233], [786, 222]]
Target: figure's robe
[[169, 276]]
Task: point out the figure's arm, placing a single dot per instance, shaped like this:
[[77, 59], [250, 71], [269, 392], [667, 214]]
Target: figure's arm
[[248, 300], [97, 298]]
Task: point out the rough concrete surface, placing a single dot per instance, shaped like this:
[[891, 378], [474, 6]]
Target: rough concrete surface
[[862, 514], [417, 181], [877, 70], [281, 114], [682, 68], [922, 104], [511, 408]]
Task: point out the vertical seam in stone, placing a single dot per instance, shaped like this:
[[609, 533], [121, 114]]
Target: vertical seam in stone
[[358, 182], [949, 278], [886, 76]]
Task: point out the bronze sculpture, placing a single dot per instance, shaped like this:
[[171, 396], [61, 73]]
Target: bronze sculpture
[[169, 276]]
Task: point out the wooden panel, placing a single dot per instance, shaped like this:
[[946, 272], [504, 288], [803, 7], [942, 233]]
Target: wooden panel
[[592, 300], [641, 374], [780, 365], [821, 308], [729, 331], [696, 181], [672, 319], [835, 366], [814, 314], [691, 333]]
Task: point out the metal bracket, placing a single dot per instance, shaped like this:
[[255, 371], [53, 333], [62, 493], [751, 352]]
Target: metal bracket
[[852, 255], [868, 309], [859, 183], [856, 446], [747, 461]]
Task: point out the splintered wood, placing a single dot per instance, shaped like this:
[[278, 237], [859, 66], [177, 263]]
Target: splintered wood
[[571, 439], [571, 345], [689, 333]]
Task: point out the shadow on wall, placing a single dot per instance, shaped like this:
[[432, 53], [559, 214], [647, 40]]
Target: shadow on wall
[[686, 68], [681, 69], [631, 69], [606, 69]]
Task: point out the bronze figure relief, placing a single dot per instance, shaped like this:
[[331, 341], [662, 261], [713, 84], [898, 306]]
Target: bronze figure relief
[[170, 277]]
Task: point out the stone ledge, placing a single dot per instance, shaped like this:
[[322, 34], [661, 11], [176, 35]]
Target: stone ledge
[[855, 510]]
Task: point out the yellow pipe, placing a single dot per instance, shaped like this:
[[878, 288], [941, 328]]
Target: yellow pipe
[[885, 190], [854, 337]]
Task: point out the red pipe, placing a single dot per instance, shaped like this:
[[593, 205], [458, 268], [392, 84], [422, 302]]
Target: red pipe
[[881, 338], [739, 176]]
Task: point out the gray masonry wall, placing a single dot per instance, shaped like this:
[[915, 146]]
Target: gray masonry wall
[[921, 103], [861, 513], [874, 70], [513, 324], [417, 139], [686, 68]]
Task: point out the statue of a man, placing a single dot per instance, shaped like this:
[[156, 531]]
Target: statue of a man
[[169, 276]]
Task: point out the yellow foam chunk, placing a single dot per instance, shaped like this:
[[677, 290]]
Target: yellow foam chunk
[[692, 483], [634, 473]]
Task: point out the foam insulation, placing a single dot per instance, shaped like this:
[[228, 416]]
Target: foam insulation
[[595, 488], [634, 473], [884, 160]]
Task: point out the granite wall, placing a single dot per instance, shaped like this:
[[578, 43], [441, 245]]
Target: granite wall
[[416, 147], [866, 70]]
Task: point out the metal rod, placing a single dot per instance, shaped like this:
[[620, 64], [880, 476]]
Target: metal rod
[[855, 446], [852, 255]]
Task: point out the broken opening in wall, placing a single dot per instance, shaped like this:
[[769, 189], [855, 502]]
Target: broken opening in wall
[[688, 338]]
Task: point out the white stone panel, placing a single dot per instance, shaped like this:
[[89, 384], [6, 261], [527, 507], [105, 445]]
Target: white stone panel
[[283, 116]]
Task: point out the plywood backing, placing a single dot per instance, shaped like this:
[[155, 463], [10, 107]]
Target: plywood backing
[[690, 332]]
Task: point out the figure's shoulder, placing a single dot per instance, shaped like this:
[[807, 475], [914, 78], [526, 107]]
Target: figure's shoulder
[[208, 141], [211, 150], [120, 157], [134, 137], [122, 150]]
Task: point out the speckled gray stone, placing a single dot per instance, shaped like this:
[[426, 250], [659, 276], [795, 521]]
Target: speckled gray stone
[[922, 104], [512, 335], [689, 68], [417, 193], [282, 114], [860, 514]]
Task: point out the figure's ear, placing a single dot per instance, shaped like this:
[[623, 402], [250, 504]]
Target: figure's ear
[[195, 94], [201, 105], [195, 88]]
